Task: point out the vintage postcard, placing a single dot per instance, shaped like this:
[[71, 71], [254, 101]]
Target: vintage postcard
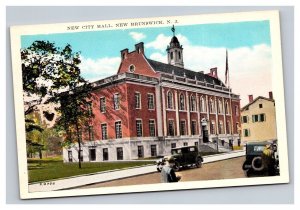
[[151, 104]]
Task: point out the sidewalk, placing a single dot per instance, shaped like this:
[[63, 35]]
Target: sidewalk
[[113, 175]]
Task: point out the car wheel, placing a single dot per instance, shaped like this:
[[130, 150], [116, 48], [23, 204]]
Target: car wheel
[[159, 167], [257, 164], [198, 163], [176, 166]]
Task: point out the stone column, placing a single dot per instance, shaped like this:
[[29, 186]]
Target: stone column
[[208, 118], [158, 104], [177, 114], [188, 114], [224, 114], [198, 113], [217, 114], [164, 111]]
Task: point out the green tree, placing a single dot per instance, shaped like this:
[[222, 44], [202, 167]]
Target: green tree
[[52, 75]]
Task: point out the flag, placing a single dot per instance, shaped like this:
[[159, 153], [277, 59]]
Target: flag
[[173, 30], [226, 71]]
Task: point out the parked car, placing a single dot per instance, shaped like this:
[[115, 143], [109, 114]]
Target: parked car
[[253, 163], [187, 156]]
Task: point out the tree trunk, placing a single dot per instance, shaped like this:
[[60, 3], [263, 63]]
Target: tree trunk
[[79, 143]]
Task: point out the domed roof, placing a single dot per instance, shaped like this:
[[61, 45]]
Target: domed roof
[[174, 40]]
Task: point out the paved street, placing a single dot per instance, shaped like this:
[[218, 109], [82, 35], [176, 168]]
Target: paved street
[[226, 169]]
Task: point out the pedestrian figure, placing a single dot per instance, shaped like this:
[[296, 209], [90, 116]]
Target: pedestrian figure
[[268, 160], [168, 173]]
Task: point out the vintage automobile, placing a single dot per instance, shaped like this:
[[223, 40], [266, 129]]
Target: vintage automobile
[[187, 156], [253, 163]]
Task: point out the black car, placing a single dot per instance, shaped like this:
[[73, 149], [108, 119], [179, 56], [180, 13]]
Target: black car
[[253, 163], [186, 156]]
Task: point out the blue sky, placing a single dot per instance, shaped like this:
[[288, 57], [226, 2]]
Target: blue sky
[[248, 44], [97, 44]]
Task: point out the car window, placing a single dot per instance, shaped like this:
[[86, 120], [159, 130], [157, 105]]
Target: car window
[[192, 149], [185, 150], [258, 148]]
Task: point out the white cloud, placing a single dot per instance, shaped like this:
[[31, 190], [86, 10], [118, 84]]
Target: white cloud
[[137, 36], [161, 42], [249, 68], [100, 68]]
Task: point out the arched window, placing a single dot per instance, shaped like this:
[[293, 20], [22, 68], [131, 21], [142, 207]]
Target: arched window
[[221, 128], [211, 106], [220, 107], [203, 104], [170, 100], [226, 108], [193, 103], [181, 102], [171, 55], [212, 127]]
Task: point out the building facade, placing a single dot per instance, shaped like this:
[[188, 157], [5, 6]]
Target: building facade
[[258, 120], [149, 107]]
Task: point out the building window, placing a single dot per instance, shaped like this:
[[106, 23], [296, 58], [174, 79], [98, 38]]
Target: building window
[[212, 128], [237, 127], [170, 100], [185, 143], [221, 128], [89, 107], [81, 155], [260, 106], [150, 101], [139, 128], [228, 127], [220, 107], [258, 118], [244, 119], [173, 145], [194, 127], [246, 132], [118, 129], [181, 102], [70, 156], [105, 154], [92, 154], [196, 143], [131, 68], [171, 55], [152, 127], [102, 105], [137, 97], [182, 128], [193, 103], [237, 113], [171, 128], [153, 151], [91, 132], [104, 131], [179, 55], [116, 101], [203, 104], [211, 106], [140, 151], [226, 108], [119, 153]]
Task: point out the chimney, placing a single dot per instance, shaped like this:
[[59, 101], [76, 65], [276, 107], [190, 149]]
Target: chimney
[[124, 54], [214, 72], [250, 98], [139, 48], [271, 95]]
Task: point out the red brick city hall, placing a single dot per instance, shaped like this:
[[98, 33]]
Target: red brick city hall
[[149, 107]]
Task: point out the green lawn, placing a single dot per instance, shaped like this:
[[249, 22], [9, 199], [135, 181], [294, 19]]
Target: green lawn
[[49, 169]]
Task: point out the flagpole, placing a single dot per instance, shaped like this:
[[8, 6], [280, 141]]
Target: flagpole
[[229, 92]]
